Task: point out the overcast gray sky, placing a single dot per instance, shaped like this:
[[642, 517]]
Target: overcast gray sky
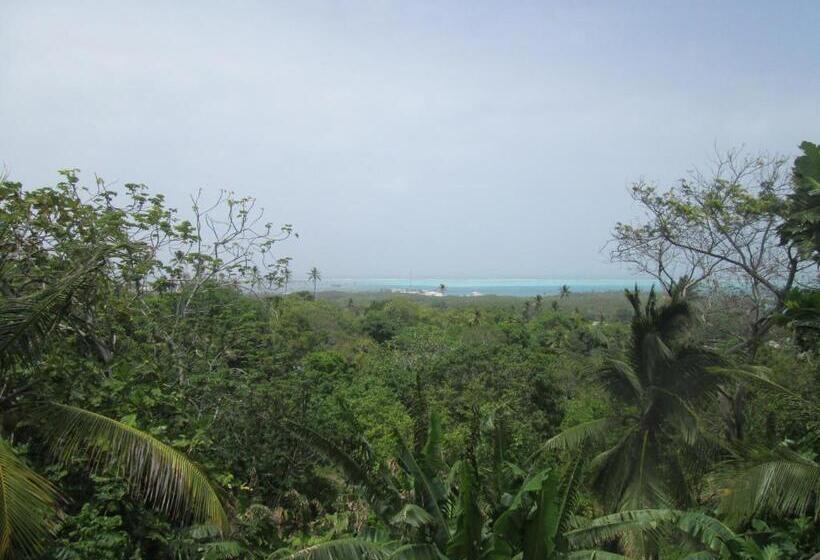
[[454, 139]]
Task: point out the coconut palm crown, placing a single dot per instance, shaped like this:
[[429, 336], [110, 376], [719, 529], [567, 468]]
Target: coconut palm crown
[[661, 384], [314, 276]]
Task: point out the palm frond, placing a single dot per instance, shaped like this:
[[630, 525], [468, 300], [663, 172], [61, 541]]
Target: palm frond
[[594, 555], [610, 527], [578, 435], [780, 482], [701, 555], [413, 516], [634, 297], [690, 374], [433, 458], [417, 552], [27, 506], [222, 550], [570, 485], [627, 475], [204, 531], [644, 491], [681, 415], [26, 321], [754, 375], [705, 529], [351, 548], [155, 471], [621, 380], [377, 489], [647, 483], [654, 352], [673, 319]]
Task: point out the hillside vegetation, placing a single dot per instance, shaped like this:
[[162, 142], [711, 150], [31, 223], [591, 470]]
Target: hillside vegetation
[[163, 396]]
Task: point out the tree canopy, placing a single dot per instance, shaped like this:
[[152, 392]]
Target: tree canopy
[[165, 395]]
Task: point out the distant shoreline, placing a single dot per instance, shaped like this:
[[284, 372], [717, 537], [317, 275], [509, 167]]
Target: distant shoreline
[[610, 304], [468, 287]]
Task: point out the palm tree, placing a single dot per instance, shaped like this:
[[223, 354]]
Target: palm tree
[[287, 274], [658, 389], [154, 471], [314, 276], [442, 288], [565, 291]]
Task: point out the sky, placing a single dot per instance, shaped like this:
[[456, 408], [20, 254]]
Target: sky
[[450, 139]]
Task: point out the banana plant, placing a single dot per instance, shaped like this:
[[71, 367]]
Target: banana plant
[[537, 516], [442, 512]]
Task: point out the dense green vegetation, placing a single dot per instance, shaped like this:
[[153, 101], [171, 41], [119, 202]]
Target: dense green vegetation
[[164, 396]]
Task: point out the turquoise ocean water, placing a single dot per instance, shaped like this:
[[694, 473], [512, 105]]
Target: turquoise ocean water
[[483, 286]]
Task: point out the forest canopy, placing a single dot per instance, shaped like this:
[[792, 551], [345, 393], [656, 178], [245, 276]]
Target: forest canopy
[[165, 395]]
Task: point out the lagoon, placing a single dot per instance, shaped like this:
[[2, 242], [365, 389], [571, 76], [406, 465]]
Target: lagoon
[[526, 287]]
